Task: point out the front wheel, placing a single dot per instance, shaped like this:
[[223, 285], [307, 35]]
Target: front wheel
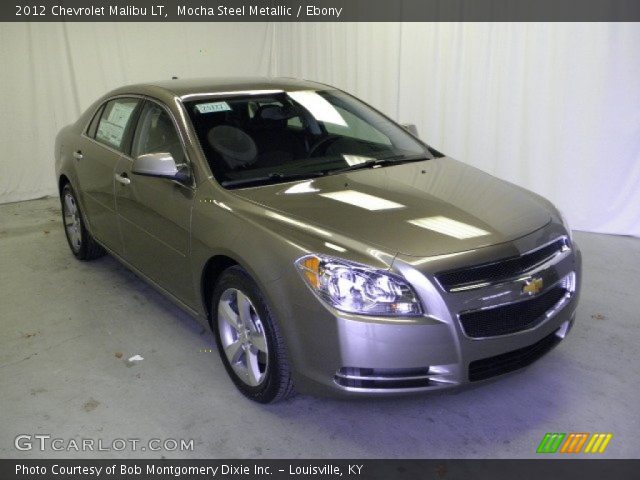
[[249, 342]]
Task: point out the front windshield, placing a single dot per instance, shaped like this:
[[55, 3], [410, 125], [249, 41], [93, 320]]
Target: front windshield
[[274, 137]]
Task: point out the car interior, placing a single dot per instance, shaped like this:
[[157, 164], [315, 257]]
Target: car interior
[[266, 133]]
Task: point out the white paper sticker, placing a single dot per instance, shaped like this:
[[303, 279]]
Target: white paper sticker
[[213, 107], [120, 113], [110, 133], [111, 128]]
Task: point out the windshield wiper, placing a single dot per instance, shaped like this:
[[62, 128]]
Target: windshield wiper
[[270, 177], [378, 162], [284, 176]]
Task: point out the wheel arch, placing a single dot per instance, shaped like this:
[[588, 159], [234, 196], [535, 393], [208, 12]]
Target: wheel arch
[[211, 272], [62, 181], [214, 267]]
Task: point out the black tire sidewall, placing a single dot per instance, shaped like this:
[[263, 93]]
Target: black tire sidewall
[[82, 251], [237, 278]]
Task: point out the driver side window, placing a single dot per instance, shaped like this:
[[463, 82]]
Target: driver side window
[[157, 134]]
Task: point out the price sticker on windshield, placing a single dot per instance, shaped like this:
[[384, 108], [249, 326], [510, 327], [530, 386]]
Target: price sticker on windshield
[[213, 107]]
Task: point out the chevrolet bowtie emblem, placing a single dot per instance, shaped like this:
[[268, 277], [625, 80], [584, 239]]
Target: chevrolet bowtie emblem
[[533, 286]]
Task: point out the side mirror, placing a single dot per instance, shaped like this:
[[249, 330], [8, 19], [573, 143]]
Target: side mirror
[[161, 165], [411, 128]]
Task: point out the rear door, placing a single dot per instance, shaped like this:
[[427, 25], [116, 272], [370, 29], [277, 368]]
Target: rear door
[[99, 151], [155, 213]]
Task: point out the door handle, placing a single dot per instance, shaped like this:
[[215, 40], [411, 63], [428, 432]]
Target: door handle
[[123, 178], [77, 155]]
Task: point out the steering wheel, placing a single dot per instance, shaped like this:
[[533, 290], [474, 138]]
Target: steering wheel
[[323, 142]]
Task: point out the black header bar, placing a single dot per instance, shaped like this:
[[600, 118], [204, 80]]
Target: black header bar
[[320, 10]]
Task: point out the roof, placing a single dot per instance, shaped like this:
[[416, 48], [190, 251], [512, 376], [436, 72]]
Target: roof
[[215, 85]]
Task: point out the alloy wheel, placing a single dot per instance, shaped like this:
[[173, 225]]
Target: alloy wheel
[[243, 337]]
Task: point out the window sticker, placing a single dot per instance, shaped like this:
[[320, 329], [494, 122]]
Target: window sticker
[[111, 128], [120, 113], [213, 107], [110, 133]]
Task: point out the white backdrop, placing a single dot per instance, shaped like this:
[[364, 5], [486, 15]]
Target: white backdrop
[[552, 107], [51, 72]]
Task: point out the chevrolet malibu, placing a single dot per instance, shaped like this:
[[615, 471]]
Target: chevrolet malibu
[[326, 246]]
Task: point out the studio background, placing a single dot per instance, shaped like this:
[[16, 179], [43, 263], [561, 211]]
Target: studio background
[[551, 107]]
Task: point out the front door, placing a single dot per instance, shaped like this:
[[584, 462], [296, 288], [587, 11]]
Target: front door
[[155, 213]]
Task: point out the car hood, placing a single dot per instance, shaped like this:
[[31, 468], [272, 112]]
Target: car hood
[[427, 208]]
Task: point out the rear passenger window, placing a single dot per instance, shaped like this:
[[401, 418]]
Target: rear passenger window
[[115, 121], [93, 126]]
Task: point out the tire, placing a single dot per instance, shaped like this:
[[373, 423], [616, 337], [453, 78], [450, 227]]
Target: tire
[[244, 328], [81, 243]]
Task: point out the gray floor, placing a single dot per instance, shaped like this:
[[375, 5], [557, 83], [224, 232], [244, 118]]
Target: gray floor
[[63, 322]]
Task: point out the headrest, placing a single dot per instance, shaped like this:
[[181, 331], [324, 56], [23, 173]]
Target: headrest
[[236, 147], [275, 112]]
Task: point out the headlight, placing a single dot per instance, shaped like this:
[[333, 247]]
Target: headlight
[[566, 225], [355, 288]]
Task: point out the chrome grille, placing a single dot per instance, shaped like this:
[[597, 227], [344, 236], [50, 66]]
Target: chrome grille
[[512, 317], [500, 270], [494, 301]]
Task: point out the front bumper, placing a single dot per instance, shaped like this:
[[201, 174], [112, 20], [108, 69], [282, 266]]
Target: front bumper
[[350, 355]]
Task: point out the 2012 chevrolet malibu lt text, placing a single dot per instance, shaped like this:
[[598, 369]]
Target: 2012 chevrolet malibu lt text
[[327, 247]]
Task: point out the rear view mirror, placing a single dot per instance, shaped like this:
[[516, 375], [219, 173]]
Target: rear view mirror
[[160, 165], [411, 128]]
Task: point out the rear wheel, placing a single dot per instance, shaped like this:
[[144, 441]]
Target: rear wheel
[[82, 244], [250, 345]]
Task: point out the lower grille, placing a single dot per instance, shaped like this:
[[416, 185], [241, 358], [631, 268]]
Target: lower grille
[[513, 317], [511, 361], [383, 378]]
